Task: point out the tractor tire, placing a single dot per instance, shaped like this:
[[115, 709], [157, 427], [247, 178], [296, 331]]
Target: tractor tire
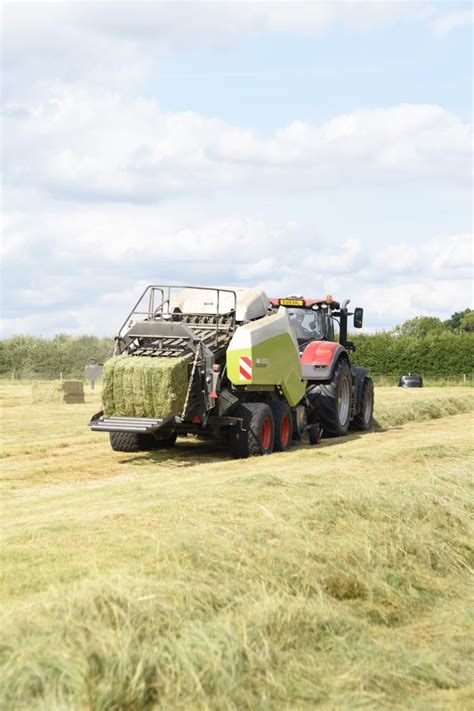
[[332, 401], [256, 435], [363, 421], [283, 425], [134, 442]]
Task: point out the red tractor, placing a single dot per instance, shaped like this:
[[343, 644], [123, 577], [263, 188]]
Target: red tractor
[[340, 395]]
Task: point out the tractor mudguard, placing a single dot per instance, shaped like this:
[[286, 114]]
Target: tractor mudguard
[[319, 359]]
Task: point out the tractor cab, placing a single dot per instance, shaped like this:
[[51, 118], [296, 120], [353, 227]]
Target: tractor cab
[[318, 319], [311, 319]]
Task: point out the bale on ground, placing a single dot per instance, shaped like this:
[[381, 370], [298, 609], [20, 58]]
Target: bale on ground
[[139, 386], [58, 391]]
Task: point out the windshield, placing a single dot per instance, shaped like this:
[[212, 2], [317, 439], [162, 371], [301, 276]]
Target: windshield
[[307, 324]]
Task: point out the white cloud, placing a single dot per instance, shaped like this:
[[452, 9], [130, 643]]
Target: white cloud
[[78, 268], [120, 44], [444, 258], [453, 20], [106, 192], [88, 146]]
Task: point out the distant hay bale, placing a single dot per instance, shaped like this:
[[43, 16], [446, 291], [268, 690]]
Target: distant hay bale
[[58, 391], [138, 386]]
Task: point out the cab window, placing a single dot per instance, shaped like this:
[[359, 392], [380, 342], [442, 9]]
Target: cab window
[[307, 325]]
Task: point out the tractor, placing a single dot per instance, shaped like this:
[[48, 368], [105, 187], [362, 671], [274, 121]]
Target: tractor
[[261, 373]]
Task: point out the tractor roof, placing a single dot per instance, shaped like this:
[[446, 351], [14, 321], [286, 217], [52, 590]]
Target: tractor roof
[[302, 302]]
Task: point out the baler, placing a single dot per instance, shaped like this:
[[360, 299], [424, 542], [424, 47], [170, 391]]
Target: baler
[[232, 364]]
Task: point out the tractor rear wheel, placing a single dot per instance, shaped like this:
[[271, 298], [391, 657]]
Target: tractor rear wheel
[[256, 435], [364, 419], [283, 425], [332, 401], [135, 442]]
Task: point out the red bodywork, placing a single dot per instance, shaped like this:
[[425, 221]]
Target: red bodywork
[[319, 353]]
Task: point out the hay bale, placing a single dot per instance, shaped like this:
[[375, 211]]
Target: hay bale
[[137, 386], [58, 391]]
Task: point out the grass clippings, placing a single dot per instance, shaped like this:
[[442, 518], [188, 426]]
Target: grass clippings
[[402, 405], [334, 577]]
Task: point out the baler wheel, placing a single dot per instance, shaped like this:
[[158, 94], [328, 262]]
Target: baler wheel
[[315, 433], [164, 442], [283, 425], [257, 433], [136, 442]]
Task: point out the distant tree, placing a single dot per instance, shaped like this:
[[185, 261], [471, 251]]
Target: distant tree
[[43, 357], [420, 327], [454, 322], [467, 322]]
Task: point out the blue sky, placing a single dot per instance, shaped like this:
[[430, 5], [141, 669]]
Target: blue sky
[[301, 147], [269, 81]]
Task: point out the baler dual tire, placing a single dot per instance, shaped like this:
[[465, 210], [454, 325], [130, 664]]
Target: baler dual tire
[[126, 441], [136, 442], [283, 425], [332, 401], [256, 435], [363, 421], [163, 442]]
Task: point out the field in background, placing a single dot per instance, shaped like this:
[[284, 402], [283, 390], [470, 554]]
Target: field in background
[[337, 575]]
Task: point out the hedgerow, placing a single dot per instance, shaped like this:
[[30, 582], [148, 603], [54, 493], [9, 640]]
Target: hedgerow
[[440, 354]]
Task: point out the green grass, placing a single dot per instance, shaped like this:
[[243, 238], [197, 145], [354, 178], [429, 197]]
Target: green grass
[[335, 576], [398, 406]]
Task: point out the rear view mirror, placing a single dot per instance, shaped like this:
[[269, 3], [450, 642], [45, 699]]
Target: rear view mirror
[[358, 317]]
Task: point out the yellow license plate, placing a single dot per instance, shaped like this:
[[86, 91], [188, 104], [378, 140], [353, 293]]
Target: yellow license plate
[[291, 302]]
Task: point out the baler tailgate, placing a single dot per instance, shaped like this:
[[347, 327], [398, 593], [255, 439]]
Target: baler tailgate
[[140, 425]]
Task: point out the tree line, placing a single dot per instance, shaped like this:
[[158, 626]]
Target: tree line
[[424, 345], [434, 354], [29, 356]]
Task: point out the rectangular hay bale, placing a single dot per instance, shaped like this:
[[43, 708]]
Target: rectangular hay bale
[[138, 386], [58, 391]]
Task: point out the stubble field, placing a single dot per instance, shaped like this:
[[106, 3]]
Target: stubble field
[[337, 576]]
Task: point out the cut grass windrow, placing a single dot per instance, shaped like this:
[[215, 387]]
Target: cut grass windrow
[[336, 576]]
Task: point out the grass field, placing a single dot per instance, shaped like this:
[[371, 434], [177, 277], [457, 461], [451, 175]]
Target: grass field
[[337, 576]]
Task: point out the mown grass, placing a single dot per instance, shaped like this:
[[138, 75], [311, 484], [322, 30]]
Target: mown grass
[[336, 576], [398, 406]]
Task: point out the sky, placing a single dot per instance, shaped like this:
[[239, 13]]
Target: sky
[[305, 148]]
